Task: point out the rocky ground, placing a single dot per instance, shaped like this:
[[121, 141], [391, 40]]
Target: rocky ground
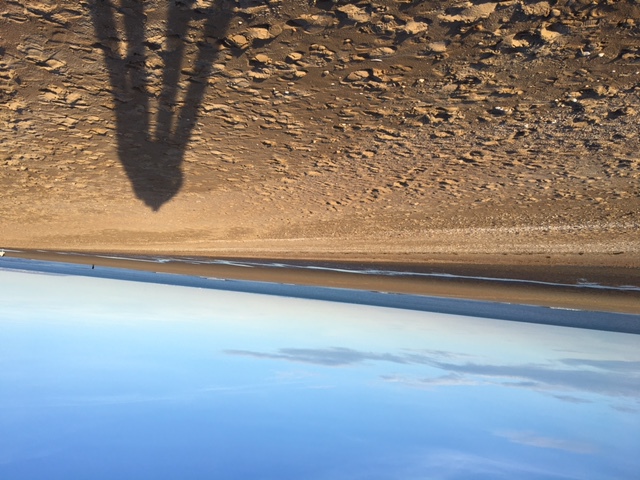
[[289, 126]]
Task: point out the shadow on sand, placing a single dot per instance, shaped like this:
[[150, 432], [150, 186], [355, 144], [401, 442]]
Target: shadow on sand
[[151, 150]]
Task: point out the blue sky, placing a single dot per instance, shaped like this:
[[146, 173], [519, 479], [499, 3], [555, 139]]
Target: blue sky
[[114, 379]]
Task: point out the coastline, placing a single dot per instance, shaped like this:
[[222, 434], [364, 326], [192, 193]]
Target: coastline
[[572, 285], [347, 144]]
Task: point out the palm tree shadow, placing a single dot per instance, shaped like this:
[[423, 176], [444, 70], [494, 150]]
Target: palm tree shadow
[[153, 159]]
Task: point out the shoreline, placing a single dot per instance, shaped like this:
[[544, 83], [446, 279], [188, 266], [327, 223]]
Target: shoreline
[[585, 287]]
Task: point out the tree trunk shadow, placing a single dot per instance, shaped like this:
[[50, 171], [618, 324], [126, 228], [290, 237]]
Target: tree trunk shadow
[[153, 159]]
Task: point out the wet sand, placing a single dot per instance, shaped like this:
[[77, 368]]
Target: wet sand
[[565, 286]]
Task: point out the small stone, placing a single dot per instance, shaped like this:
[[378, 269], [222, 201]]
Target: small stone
[[262, 58], [294, 57], [511, 42], [354, 13], [358, 76], [262, 75], [381, 52], [207, 107], [238, 41], [437, 47], [49, 96], [16, 105], [549, 36], [471, 14], [75, 98], [315, 23], [414, 28], [378, 75], [52, 64], [259, 33], [540, 9], [500, 111]]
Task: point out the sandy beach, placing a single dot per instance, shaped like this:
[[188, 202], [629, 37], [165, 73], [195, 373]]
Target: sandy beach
[[564, 288], [485, 139]]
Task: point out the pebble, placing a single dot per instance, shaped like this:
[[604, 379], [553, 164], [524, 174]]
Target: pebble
[[354, 13], [358, 76], [414, 28]]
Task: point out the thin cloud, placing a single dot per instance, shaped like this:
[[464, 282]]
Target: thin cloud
[[626, 408], [449, 465], [451, 380], [531, 439], [621, 366], [572, 399], [601, 377], [550, 377], [330, 357]]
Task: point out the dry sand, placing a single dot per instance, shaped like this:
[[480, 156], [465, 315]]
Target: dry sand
[[418, 132]]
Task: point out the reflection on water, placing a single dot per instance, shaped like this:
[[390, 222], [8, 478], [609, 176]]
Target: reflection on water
[[111, 379]]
